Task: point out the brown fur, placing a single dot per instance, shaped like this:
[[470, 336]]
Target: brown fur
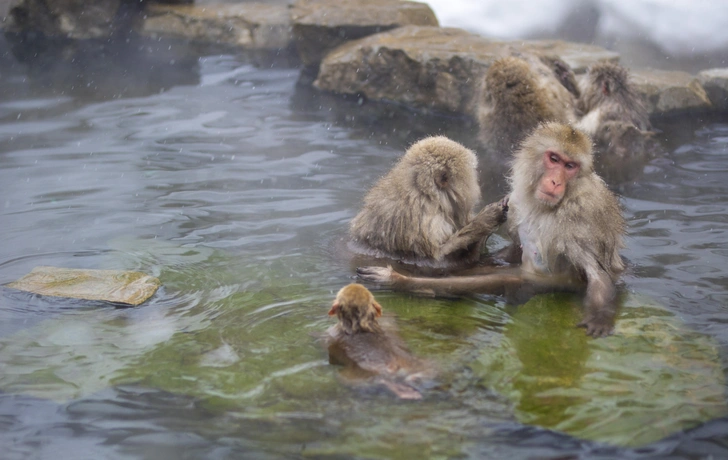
[[421, 211], [356, 310], [562, 71], [572, 243], [365, 348], [614, 114], [519, 93]]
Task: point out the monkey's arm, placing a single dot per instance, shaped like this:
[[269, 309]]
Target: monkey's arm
[[479, 228], [492, 283], [600, 306]]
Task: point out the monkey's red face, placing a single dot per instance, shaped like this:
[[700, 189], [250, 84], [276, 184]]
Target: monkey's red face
[[559, 169]]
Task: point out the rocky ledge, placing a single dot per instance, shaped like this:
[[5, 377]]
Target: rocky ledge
[[386, 50]]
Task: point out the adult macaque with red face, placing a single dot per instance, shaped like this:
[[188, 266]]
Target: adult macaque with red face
[[567, 229]]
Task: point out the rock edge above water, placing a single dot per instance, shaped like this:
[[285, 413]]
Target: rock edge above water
[[384, 50]]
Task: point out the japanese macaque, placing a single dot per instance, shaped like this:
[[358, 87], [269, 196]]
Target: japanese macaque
[[421, 212], [567, 230], [614, 115], [366, 349], [520, 93], [563, 73]]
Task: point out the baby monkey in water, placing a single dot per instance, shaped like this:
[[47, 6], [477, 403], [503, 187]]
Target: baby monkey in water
[[367, 351]]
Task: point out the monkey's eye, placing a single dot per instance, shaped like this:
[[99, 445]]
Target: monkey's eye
[[570, 165], [554, 158]]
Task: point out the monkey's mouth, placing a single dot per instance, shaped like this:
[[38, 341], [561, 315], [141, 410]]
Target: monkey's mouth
[[548, 197]]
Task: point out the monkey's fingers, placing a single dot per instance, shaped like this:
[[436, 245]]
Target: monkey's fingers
[[379, 275], [492, 215]]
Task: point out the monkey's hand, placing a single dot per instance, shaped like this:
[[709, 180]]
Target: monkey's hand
[[600, 308], [504, 202], [379, 275], [598, 325], [493, 215]]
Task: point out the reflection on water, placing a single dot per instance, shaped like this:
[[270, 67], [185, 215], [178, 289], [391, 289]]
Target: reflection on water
[[231, 190]]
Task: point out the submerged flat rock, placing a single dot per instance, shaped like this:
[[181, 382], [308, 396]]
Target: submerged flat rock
[[118, 286], [652, 378]]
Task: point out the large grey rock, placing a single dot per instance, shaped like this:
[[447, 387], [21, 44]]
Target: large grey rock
[[321, 25], [72, 19], [432, 68], [670, 92], [715, 83], [245, 25]]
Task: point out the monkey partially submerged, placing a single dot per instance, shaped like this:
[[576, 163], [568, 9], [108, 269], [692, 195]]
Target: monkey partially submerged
[[567, 230], [421, 212], [366, 349], [614, 114], [518, 94]]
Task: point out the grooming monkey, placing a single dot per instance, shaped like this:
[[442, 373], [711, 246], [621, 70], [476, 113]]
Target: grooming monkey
[[567, 230], [366, 349], [518, 94], [614, 114], [421, 212]]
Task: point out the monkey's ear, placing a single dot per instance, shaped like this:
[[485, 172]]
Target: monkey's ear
[[441, 179], [334, 308], [377, 307], [605, 88]]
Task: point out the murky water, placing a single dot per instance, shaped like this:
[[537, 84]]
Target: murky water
[[232, 191]]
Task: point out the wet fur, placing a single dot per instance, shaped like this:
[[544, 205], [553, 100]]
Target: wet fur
[[614, 114], [422, 209], [518, 94], [365, 348], [576, 241], [588, 222]]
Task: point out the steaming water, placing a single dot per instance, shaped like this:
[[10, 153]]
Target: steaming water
[[232, 191]]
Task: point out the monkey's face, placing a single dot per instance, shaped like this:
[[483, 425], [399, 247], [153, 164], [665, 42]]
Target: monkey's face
[[558, 170]]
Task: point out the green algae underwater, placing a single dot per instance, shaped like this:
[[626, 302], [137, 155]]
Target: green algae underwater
[[243, 339]]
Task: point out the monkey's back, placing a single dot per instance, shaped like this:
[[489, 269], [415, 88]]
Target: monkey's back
[[378, 353], [518, 95], [406, 214]]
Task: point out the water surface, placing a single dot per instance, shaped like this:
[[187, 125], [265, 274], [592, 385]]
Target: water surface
[[232, 191]]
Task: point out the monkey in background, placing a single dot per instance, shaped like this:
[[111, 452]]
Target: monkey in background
[[421, 212], [518, 94], [567, 230], [614, 114], [563, 73], [366, 350]]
